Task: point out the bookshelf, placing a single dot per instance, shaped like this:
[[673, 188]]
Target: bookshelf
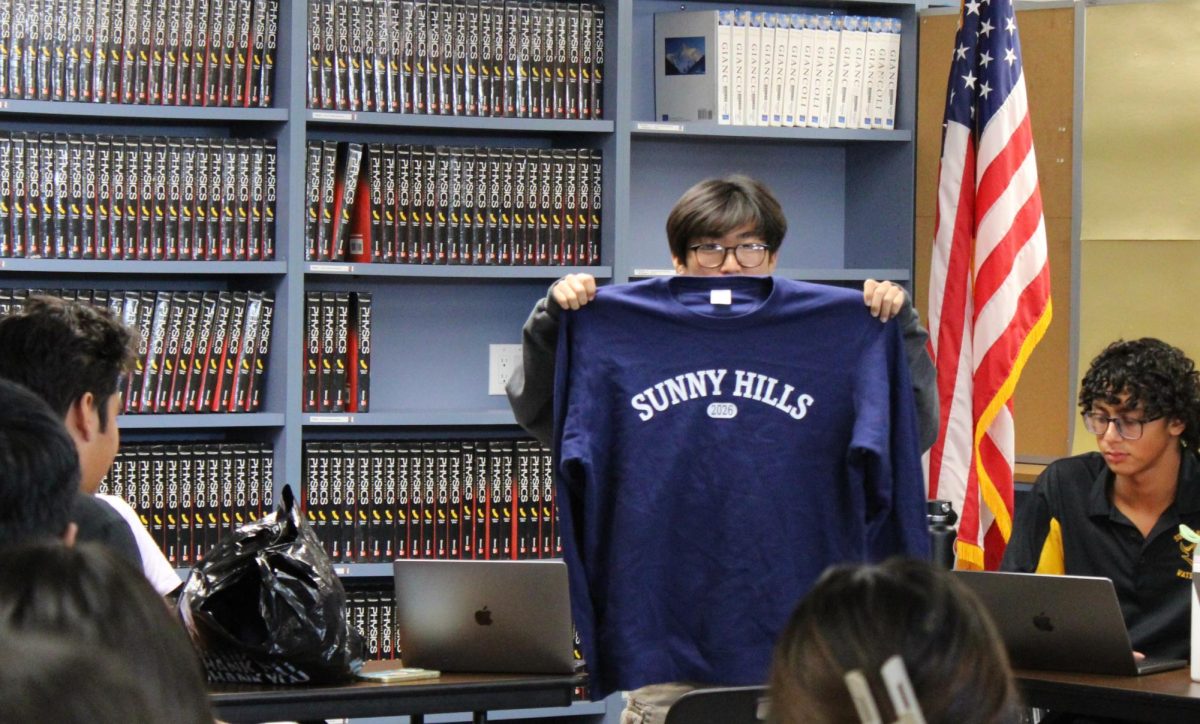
[[848, 195]]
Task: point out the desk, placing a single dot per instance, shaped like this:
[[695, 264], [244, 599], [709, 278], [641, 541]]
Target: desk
[[476, 693], [1162, 698]]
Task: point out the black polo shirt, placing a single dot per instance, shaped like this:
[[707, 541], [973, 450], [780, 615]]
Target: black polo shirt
[[1069, 525]]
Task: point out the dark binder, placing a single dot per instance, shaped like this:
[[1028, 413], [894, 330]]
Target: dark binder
[[261, 354], [244, 365], [217, 347], [312, 352], [223, 393], [360, 354]]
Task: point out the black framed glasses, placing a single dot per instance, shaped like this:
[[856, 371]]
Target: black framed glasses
[[1097, 424], [712, 255]]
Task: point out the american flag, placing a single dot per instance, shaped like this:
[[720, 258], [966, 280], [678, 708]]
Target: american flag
[[990, 278]]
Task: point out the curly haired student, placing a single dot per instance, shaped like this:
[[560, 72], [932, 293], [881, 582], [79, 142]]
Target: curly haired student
[[1116, 512]]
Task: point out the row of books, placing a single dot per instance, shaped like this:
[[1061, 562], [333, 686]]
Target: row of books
[[196, 351], [777, 69], [371, 611], [515, 59], [403, 204], [337, 352], [189, 496], [381, 501], [72, 196], [156, 52]]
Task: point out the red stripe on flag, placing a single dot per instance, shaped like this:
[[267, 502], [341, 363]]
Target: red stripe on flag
[[953, 305], [999, 173], [996, 268], [999, 361]]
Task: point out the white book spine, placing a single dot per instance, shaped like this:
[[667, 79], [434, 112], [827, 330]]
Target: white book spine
[[892, 76], [872, 76], [738, 77], [778, 68], [850, 62], [724, 67], [766, 73], [824, 68], [753, 66], [808, 44], [791, 73]]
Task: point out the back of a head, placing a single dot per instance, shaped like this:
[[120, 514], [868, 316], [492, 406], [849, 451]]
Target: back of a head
[[39, 468], [60, 350], [98, 600], [857, 617], [51, 678]]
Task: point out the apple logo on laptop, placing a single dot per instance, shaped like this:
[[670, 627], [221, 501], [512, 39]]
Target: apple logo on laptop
[[483, 617], [1042, 622]]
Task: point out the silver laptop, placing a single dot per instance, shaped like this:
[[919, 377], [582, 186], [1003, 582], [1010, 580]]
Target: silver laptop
[[1061, 623], [485, 616]]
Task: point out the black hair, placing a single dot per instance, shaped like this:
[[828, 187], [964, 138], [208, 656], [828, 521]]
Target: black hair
[[49, 677], [62, 350], [717, 206], [1160, 380], [39, 468], [101, 601], [859, 616]]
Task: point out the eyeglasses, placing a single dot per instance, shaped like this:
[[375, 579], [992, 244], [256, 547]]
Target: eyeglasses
[[1097, 424], [712, 254]]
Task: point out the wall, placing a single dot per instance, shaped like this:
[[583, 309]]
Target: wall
[[1140, 235]]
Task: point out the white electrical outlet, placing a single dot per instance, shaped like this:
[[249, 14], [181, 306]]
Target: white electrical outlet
[[502, 358]]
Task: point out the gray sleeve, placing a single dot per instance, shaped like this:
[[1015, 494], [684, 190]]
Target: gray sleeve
[[531, 385], [920, 368]]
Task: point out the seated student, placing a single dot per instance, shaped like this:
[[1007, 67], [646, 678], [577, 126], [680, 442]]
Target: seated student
[[1116, 513], [39, 471], [74, 357], [50, 678], [858, 616], [99, 601]]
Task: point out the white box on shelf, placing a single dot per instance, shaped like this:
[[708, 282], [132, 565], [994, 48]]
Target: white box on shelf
[[688, 69]]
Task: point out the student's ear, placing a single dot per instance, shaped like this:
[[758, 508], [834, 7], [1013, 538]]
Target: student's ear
[[1176, 427], [70, 534], [680, 267], [83, 419]]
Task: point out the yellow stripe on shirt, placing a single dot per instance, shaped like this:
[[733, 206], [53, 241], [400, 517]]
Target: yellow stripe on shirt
[[1051, 559]]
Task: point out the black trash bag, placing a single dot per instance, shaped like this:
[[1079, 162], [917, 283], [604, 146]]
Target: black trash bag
[[265, 606]]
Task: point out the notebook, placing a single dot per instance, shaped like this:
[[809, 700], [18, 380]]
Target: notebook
[[485, 616], [1061, 623]]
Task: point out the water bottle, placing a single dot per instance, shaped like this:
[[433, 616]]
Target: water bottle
[[941, 517], [1195, 615]]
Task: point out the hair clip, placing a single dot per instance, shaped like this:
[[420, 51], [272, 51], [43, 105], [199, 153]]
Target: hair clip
[[899, 689]]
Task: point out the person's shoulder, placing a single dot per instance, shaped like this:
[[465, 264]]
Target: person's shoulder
[[1074, 472], [122, 508], [90, 511]]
